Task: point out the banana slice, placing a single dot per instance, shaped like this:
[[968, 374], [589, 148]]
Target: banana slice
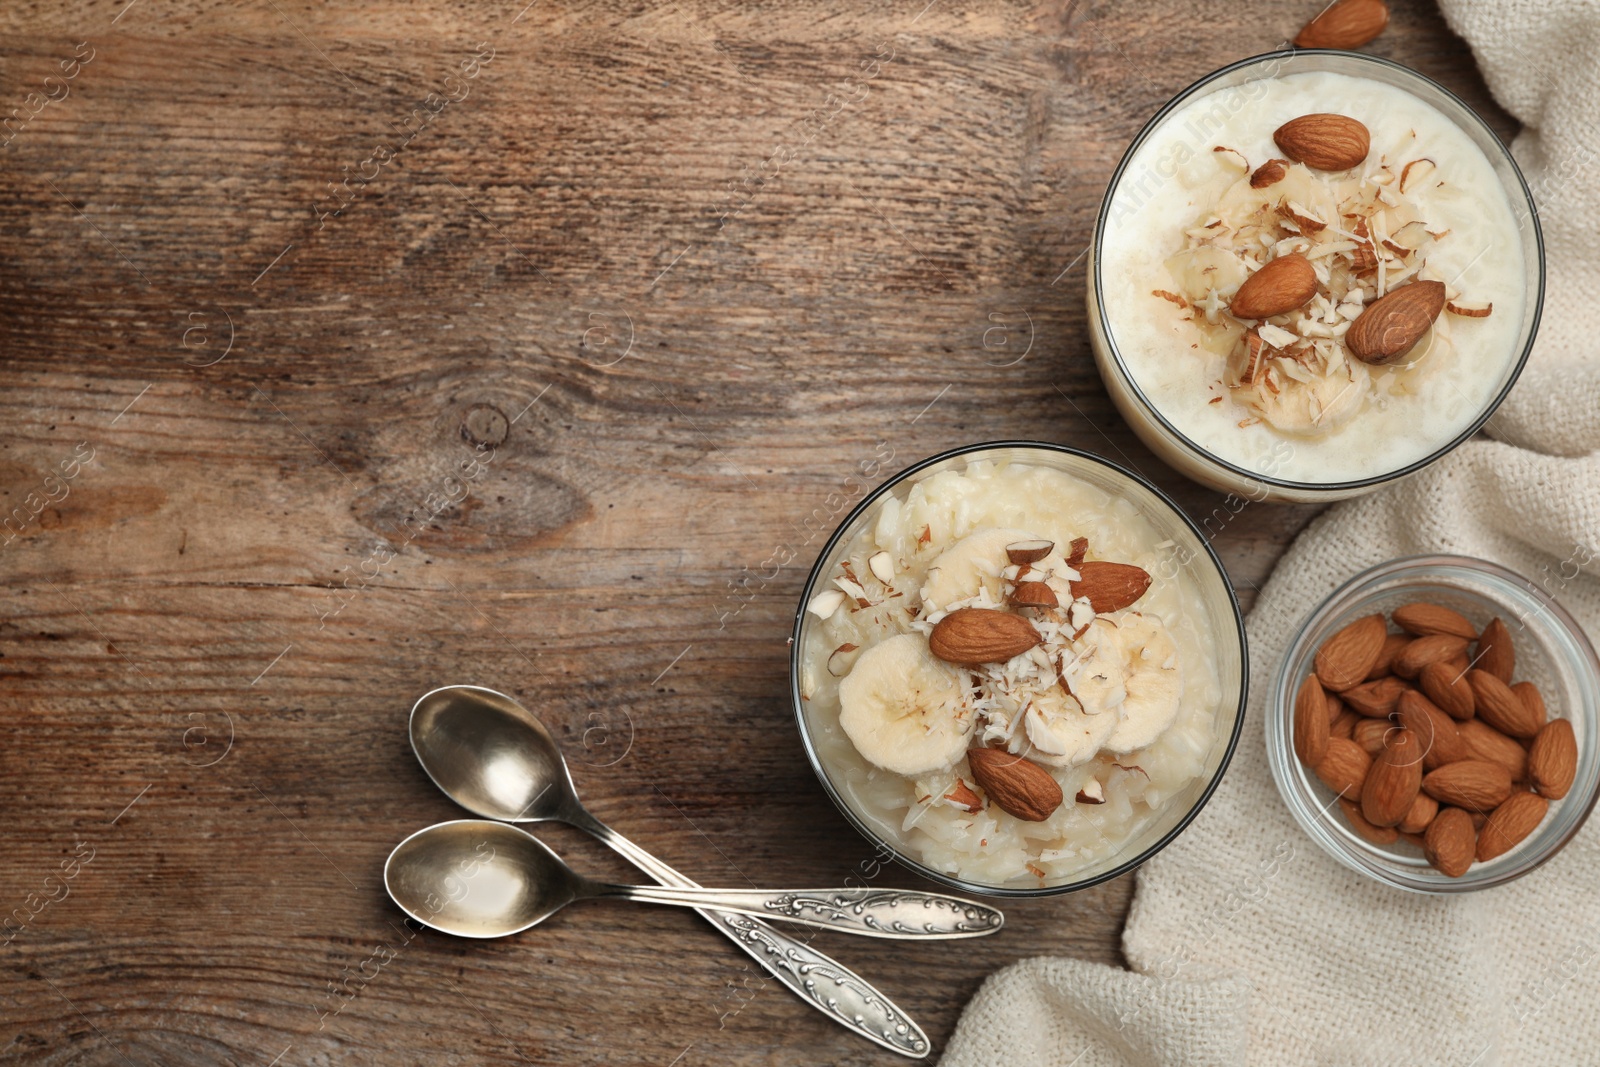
[[1095, 675], [975, 563], [1061, 733], [1316, 407], [903, 709], [1154, 682]]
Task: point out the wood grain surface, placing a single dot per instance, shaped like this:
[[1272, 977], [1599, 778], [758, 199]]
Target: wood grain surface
[[355, 349]]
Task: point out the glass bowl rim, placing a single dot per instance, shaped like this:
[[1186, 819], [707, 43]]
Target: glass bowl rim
[[1277, 710], [955, 882], [1373, 481]]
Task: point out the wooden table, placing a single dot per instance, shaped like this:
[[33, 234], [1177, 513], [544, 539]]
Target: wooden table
[[354, 350]]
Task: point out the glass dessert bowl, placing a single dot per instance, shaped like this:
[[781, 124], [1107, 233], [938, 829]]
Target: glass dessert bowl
[[1549, 797], [1313, 273], [1018, 668]]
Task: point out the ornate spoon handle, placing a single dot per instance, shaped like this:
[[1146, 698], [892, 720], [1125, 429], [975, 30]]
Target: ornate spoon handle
[[819, 980], [890, 913]]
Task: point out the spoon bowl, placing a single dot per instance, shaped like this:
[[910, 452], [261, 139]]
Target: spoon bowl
[[491, 755], [474, 878]]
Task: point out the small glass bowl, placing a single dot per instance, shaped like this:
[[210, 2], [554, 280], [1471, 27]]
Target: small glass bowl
[[1241, 80], [825, 742], [1552, 652]]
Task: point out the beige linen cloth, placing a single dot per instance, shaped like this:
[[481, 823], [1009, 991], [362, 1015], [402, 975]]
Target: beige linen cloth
[[1249, 945]]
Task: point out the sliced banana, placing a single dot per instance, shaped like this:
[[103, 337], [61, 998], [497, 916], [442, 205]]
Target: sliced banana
[[1316, 407], [1061, 733], [1153, 680], [975, 563], [1095, 672], [903, 709]]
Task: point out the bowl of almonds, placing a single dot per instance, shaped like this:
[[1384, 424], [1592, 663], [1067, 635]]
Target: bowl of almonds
[[1434, 722]]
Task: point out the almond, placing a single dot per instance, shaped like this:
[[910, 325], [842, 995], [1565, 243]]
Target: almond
[[1110, 586], [1345, 725], [1019, 787], [1422, 651], [1441, 741], [1378, 835], [1269, 173], [1076, 551], [962, 796], [1451, 842], [1529, 694], [1553, 759], [1423, 809], [970, 636], [1369, 734], [1495, 652], [1344, 659], [1474, 784], [1384, 664], [1344, 24], [1422, 618], [1446, 685], [1501, 708], [1310, 722], [1508, 824], [1344, 767], [1390, 326], [1283, 285], [1394, 779], [1335, 708], [1324, 141], [1486, 743], [1034, 595], [1376, 699], [1092, 792], [1021, 552]]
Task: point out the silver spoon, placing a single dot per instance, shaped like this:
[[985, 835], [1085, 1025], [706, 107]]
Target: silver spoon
[[478, 878], [496, 759]]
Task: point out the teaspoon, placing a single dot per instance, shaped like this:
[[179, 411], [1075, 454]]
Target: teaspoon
[[478, 878], [495, 758]]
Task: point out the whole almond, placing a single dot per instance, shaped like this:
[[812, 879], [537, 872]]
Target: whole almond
[[1483, 741], [1110, 586], [1334, 705], [1378, 835], [1529, 694], [1376, 699], [1501, 708], [1495, 651], [1344, 24], [1034, 595], [1345, 725], [1451, 842], [1474, 784], [1422, 618], [1344, 767], [1446, 685], [1269, 173], [1441, 741], [972, 636], [1390, 326], [1019, 787], [1392, 783], [1344, 659], [1422, 651], [1324, 141], [1384, 664], [1508, 824], [1310, 722], [1370, 733], [1283, 285], [1423, 809], [1553, 759]]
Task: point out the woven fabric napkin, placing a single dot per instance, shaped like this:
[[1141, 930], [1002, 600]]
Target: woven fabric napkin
[[1247, 944]]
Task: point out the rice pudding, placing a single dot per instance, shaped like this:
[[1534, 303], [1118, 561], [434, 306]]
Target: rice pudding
[[1313, 276], [1010, 673]]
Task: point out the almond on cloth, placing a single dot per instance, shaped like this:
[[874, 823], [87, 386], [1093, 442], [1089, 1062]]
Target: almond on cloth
[[1392, 783], [1344, 659], [1019, 787], [1508, 824], [1451, 842], [1344, 24], [1325, 141]]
